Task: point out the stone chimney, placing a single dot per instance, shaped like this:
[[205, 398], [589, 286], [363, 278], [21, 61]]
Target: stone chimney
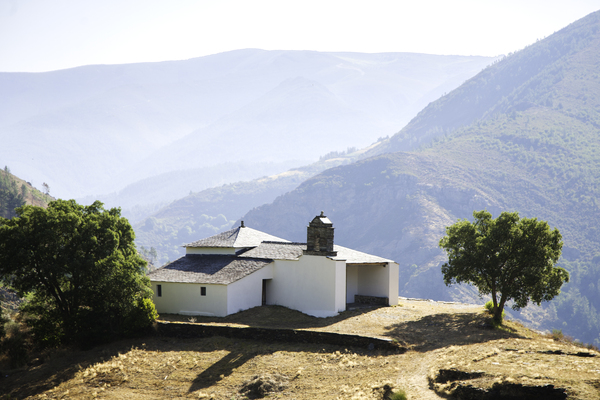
[[319, 237]]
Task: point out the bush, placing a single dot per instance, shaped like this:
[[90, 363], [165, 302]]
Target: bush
[[489, 307], [398, 395], [557, 334], [141, 317], [15, 344], [3, 320]]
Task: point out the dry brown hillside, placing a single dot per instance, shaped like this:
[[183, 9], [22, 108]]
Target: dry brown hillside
[[444, 349]]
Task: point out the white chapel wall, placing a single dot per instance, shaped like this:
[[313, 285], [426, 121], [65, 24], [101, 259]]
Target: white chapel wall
[[314, 285], [247, 292], [186, 299]]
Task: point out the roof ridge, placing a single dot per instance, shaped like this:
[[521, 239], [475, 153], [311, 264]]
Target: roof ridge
[[288, 243]]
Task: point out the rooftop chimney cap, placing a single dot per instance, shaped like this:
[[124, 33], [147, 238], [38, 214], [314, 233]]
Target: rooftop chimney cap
[[242, 225], [322, 214]]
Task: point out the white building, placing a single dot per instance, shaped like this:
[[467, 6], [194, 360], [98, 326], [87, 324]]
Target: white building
[[244, 268]]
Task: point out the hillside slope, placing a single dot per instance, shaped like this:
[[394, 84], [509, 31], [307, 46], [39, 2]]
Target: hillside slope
[[540, 158], [534, 76], [15, 192]]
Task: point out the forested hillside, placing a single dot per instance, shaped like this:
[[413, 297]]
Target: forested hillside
[[542, 74], [524, 135], [15, 192]]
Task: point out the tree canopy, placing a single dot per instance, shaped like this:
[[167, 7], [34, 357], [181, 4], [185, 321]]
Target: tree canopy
[[509, 258], [79, 270]]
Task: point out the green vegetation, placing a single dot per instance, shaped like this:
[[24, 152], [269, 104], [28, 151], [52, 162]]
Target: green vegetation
[[15, 192], [398, 395], [509, 258], [489, 308], [11, 196], [551, 73], [79, 271]]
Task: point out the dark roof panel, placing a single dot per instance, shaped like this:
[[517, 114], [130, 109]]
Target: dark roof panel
[[207, 268], [277, 251]]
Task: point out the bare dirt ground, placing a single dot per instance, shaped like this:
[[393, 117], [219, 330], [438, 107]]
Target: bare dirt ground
[[451, 348]]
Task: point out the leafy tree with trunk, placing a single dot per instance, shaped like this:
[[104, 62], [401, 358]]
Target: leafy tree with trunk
[[509, 258], [79, 270]]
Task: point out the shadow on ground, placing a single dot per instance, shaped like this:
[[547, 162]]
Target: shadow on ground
[[441, 330], [62, 366], [273, 317]]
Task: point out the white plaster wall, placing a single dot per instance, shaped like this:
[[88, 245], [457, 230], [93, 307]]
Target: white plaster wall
[[379, 280], [247, 292], [185, 298], [209, 250], [311, 284], [351, 283], [340, 286], [394, 284]]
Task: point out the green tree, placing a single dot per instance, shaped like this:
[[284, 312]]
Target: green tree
[[79, 269], [509, 258]]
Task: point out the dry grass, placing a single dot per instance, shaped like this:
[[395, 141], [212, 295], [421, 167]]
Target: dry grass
[[439, 336]]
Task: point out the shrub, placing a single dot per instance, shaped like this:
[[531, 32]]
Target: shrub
[[398, 395], [557, 334], [3, 320], [489, 307], [15, 343]]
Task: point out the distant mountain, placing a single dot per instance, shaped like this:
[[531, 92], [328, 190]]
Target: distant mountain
[[535, 76], [523, 135], [96, 129], [214, 210]]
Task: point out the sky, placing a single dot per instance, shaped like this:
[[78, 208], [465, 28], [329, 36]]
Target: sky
[[45, 35]]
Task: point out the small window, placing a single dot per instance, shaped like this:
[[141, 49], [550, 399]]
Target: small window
[[159, 290], [203, 291]]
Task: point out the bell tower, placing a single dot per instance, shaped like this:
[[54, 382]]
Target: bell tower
[[319, 237]]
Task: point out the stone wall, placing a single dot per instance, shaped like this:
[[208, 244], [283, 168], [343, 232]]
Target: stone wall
[[359, 298], [189, 330]]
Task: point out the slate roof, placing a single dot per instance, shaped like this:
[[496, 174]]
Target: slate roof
[[276, 251], [357, 257], [207, 268], [293, 251], [241, 236]]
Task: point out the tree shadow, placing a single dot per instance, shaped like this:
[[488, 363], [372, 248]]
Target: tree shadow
[[222, 368], [441, 330], [63, 366], [49, 369]]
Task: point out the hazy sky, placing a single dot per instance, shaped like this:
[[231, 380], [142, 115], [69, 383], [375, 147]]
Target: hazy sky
[[42, 35]]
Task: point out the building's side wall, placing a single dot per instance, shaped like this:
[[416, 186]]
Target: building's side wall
[[340, 286], [186, 299], [247, 292], [311, 284], [209, 250], [394, 284], [351, 283], [379, 280]]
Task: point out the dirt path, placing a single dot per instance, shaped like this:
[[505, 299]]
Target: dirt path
[[414, 380]]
